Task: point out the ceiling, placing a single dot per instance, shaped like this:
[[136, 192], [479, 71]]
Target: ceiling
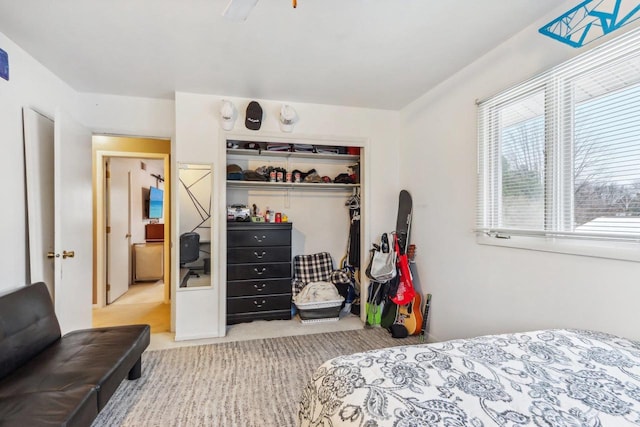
[[364, 53]]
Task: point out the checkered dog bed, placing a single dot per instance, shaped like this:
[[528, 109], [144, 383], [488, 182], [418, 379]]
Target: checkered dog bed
[[316, 268]]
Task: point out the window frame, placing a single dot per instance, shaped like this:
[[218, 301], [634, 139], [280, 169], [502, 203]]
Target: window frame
[[557, 234]]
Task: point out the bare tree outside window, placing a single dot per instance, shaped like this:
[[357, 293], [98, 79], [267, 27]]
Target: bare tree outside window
[[522, 161], [607, 158]]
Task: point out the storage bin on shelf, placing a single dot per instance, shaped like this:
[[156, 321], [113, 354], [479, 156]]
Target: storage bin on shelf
[[324, 311]]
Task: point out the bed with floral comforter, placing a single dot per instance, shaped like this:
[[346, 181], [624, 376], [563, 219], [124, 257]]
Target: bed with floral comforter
[[542, 378]]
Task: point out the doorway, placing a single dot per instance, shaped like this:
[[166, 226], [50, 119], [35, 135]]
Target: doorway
[[132, 214]]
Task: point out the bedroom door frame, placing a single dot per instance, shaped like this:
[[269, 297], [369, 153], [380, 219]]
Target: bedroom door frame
[[105, 146]]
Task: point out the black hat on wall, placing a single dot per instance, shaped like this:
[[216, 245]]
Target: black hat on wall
[[254, 116]]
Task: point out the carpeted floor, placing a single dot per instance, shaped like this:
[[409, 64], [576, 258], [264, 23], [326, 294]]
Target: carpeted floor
[[142, 303], [244, 383]]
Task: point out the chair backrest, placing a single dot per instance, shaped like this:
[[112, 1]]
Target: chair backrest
[[189, 247], [313, 268]]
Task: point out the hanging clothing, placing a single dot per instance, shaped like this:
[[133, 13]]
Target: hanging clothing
[[353, 246], [354, 239]]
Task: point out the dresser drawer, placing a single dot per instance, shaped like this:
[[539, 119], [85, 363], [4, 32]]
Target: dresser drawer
[[258, 237], [240, 288], [259, 254], [262, 315], [258, 303], [272, 270]]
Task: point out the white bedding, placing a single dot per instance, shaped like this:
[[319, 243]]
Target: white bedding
[[542, 378]]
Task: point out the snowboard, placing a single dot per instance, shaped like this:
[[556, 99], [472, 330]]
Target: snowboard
[[403, 226], [403, 222]]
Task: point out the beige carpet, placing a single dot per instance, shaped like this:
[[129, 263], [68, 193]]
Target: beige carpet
[[143, 303], [244, 383]]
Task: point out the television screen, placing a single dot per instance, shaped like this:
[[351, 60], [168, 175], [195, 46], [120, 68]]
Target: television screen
[[155, 202]]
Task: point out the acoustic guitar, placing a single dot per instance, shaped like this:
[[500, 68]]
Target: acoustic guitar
[[416, 304], [410, 315], [417, 313]]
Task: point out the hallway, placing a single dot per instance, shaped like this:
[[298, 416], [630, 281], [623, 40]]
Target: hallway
[[143, 303]]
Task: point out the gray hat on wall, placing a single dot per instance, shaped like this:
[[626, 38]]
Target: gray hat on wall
[[254, 116]]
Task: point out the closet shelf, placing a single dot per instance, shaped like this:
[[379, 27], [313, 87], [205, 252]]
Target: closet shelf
[[290, 185], [243, 153]]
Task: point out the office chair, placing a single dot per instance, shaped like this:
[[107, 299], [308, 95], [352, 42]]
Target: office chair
[[189, 250]]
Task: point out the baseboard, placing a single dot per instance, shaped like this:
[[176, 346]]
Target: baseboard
[[195, 337]]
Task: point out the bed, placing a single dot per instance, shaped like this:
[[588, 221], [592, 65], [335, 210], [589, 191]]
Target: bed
[[541, 378]]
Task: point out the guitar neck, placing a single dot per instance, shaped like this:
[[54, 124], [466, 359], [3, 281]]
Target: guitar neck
[[425, 314]]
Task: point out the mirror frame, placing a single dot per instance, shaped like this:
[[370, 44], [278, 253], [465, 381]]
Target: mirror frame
[[200, 205]]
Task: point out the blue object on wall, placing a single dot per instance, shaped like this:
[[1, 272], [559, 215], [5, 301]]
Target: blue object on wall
[[591, 20], [156, 200], [4, 65]]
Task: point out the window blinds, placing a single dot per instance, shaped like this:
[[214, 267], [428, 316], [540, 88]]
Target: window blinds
[[559, 154]]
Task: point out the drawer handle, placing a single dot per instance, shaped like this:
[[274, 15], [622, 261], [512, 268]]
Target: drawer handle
[[261, 287], [260, 256], [261, 271], [258, 305], [259, 239]]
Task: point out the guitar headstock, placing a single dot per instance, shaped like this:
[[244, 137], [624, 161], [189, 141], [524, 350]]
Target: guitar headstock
[[411, 253]]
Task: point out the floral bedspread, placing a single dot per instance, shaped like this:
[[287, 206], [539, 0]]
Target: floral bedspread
[[542, 378]]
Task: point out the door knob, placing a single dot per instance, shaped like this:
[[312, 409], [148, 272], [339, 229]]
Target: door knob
[[52, 255], [68, 254]]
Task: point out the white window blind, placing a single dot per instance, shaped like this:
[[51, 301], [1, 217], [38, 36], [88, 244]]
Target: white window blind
[[559, 155]]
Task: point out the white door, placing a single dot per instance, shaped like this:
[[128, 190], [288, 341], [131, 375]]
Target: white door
[[38, 155], [73, 224], [118, 207]]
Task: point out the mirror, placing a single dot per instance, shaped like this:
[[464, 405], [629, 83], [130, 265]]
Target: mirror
[[195, 224]]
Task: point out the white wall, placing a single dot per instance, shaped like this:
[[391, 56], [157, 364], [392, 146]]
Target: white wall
[[486, 289], [199, 138], [29, 85], [125, 115]]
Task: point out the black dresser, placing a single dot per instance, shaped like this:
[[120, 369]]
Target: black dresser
[[258, 271]]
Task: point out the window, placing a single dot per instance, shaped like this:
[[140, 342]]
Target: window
[[559, 155]]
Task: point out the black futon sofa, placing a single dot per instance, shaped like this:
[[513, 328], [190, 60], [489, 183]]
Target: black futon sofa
[[49, 380]]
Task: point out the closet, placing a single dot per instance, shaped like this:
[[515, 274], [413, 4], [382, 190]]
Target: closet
[[317, 209]]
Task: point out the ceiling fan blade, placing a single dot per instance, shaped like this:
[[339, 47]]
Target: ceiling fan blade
[[238, 10]]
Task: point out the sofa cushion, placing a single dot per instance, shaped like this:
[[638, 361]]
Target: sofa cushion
[[28, 325], [120, 347], [100, 357], [67, 406]]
